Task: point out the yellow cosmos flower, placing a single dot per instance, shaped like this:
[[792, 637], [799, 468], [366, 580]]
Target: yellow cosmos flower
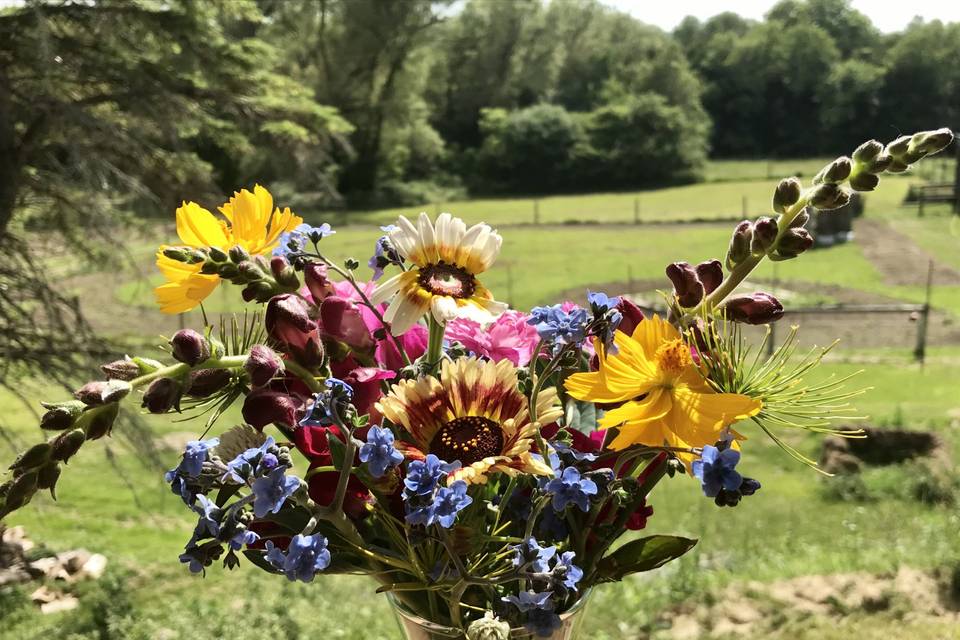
[[249, 221], [448, 256], [666, 400], [475, 414]]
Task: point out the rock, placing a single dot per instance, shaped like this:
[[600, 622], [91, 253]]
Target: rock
[[94, 567], [66, 603], [16, 537], [73, 561]]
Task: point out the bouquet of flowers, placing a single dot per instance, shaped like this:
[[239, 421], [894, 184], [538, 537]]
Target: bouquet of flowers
[[480, 463]]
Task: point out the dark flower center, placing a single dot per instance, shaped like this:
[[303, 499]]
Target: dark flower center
[[468, 439], [444, 279]]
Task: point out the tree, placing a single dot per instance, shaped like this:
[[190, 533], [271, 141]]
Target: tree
[[118, 106]]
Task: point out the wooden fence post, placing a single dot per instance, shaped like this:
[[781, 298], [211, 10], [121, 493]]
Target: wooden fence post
[[536, 212], [636, 211], [920, 351], [743, 206]]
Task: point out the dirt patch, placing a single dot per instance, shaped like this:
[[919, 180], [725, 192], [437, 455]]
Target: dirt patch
[[755, 609], [898, 258]]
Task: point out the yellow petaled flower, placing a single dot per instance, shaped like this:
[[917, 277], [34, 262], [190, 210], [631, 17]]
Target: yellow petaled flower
[[666, 400], [475, 414], [249, 221], [447, 257]]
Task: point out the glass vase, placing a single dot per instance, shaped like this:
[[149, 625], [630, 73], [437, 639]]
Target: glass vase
[[413, 627]]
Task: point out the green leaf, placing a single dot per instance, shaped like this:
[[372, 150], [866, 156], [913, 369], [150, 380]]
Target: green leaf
[[581, 416], [644, 554]]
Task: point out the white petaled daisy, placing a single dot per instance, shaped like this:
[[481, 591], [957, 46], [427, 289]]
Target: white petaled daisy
[[475, 414], [447, 257]]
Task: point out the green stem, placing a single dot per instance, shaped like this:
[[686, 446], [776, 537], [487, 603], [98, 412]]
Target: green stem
[[435, 343], [177, 370], [304, 374]]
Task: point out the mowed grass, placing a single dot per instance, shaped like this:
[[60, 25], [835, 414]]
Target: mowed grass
[[113, 503]]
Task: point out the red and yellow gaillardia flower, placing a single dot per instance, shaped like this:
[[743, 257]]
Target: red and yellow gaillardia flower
[[249, 221], [666, 400], [473, 413], [447, 257]]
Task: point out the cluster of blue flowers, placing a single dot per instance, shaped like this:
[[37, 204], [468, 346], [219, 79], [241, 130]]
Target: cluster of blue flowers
[[379, 452], [294, 241], [558, 326], [606, 318], [552, 576], [305, 557], [330, 405], [719, 479], [191, 465], [427, 502], [384, 254], [571, 487]]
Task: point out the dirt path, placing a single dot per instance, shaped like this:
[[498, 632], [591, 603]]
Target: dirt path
[[898, 258]]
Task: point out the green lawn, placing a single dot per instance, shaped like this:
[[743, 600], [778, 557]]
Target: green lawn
[[114, 503]]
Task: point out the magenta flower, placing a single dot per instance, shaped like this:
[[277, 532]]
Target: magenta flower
[[509, 337]]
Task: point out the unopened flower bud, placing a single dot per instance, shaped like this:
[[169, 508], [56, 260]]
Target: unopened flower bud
[[899, 146], [47, 477], [792, 243], [203, 383], [67, 444], [283, 273], [489, 627], [217, 254], [238, 254], [189, 347], [265, 406], [315, 277], [228, 271], [739, 249], [929, 142], [262, 365], [880, 164], [98, 422], [897, 166], [801, 220], [21, 491], [866, 152], [162, 395], [102, 392], [125, 369], [764, 235], [787, 194], [835, 172], [61, 415], [757, 308], [188, 255], [631, 315], [686, 285], [828, 196], [864, 181], [710, 274], [261, 291], [287, 320], [35, 456], [250, 271]]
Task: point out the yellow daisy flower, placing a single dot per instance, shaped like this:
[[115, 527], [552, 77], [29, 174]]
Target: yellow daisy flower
[[448, 256], [666, 400], [475, 414], [250, 221]]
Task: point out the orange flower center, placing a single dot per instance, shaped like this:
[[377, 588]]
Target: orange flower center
[[468, 439], [673, 357], [444, 279]]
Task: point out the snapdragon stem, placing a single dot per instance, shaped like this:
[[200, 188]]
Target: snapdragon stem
[[179, 369]]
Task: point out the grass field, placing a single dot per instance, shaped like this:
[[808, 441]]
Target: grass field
[[115, 503]]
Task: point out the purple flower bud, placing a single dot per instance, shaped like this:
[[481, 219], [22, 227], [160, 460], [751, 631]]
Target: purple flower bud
[[867, 151], [101, 420], [189, 347], [283, 273], [125, 369], [288, 322], [757, 308], [787, 194], [162, 395], [265, 406], [315, 277], [67, 444], [100, 392], [828, 196], [794, 242], [739, 249], [61, 415], [35, 456], [262, 365], [835, 172], [710, 274], [764, 234], [686, 285], [206, 382], [631, 314], [864, 182]]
